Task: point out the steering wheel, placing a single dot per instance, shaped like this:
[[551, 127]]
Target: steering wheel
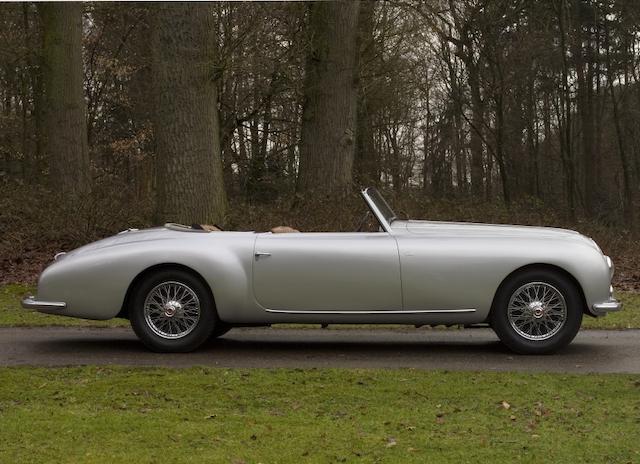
[[363, 221]]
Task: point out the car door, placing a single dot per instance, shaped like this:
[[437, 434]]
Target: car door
[[327, 272]]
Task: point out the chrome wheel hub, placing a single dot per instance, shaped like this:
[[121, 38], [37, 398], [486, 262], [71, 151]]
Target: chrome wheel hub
[[172, 310], [537, 311]]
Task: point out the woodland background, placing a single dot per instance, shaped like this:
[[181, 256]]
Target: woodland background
[[250, 115]]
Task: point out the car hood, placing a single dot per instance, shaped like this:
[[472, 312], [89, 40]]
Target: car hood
[[471, 229]]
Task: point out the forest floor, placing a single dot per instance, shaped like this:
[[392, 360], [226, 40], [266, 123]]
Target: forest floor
[[28, 242], [90, 414]]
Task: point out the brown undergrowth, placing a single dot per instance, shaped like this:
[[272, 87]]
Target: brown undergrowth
[[35, 224]]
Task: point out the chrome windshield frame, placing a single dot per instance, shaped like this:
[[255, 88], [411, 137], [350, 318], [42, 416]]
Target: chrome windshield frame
[[384, 223]]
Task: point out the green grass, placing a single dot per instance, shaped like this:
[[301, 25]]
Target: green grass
[[12, 314], [628, 318], [279, 416]]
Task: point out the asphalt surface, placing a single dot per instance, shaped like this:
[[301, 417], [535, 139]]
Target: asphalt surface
[[469, 350]]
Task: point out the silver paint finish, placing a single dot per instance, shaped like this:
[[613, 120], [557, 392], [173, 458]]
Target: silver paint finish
[[327, 272], [417, 272]]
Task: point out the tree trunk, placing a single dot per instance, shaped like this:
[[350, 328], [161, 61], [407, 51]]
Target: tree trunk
[[366, 164], [186, 125], [327, 144], [477, 120], [65, 123]]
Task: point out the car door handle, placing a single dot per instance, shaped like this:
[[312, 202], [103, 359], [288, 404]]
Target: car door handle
[[261, 253]]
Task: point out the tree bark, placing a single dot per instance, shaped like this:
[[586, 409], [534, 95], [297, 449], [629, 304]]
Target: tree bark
[[327, 144], [366, 164], [186, 124], [65, 124]]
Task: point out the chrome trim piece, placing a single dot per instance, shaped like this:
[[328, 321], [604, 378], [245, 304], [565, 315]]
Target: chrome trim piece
[[379, 216], [608, 306], [417, 311], [31, 303], [611, 266]]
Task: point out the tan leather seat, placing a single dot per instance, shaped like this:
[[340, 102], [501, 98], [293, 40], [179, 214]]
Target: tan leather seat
[[210, 228], [284, 230]]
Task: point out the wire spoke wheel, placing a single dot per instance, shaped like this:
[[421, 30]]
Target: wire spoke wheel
[[172, 310], [537, 311]]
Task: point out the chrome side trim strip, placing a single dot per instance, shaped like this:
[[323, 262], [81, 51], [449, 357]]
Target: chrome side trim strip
[[417, 311], [31, 303]]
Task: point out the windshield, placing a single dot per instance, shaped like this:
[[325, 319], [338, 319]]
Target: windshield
[[382, 205]]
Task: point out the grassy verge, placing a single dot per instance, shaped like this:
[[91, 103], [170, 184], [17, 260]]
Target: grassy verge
[[211, 415], [11, 314], [628, 318]]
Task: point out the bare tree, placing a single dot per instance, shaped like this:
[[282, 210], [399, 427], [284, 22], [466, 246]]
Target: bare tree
[[327, 144], [188, 166], [65, 124]]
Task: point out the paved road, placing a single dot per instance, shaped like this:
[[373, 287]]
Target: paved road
[[470, 349]]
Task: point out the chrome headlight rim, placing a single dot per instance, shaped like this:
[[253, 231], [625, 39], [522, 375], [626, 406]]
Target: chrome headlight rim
[[610, 265]]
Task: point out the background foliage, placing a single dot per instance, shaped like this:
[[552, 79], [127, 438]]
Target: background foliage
[[484, 110]]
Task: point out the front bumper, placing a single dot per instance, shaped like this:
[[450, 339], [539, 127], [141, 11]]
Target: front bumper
[[31, 303], [600, 309]]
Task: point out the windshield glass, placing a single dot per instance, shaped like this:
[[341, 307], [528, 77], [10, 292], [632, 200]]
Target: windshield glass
[[381, 204]]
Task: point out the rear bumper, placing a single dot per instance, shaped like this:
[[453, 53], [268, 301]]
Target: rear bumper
[[31, 303], [611, 305]]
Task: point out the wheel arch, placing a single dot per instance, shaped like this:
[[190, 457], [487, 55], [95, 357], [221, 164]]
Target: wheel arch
[[541, 267], [124, 310]]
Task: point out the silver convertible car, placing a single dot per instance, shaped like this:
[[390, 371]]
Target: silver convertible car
[[181, 285]]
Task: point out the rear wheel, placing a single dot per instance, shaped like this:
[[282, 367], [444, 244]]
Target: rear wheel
[[537, 312], [173, 311]]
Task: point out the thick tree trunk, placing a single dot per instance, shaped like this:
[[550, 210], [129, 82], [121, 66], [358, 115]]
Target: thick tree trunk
[[328, 133], [65, 124], [366, 164], [189, 168]]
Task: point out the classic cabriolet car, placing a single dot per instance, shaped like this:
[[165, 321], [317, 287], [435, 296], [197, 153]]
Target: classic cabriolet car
[[181, 285]]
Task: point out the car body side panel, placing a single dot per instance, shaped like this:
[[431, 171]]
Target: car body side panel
[[442, 266], [440, 273], [327, 272], [453, 265], [94, 282]]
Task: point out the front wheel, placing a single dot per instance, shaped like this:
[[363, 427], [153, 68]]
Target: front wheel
[[173, 311], [537, 312]]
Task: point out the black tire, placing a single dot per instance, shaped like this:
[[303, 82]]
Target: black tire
[[557, 338], [198, 332]]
